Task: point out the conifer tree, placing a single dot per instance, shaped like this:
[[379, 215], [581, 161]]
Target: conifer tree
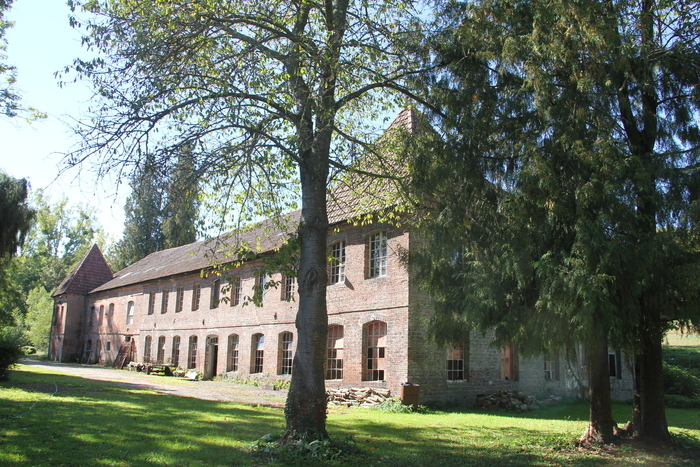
[[567, 185]]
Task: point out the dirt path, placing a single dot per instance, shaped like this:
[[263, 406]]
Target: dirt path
[[207, 390]]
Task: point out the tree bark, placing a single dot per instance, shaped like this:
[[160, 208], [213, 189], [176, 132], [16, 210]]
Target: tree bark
[[654, 427], [600, 425], [305, 410]]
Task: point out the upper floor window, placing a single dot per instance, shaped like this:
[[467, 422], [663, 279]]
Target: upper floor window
[[260, 286], [288, 284], [101, 315], [110, 313], [151, 303], [179, 299], [286, 340], [215, 294], [236, 291], [130, 313], [196, 295], [164, 301], [91, 315], [377, 254], [336, 268], [615, 364]]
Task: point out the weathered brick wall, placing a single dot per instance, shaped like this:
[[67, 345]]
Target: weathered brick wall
[[353, 304], [66, 334]]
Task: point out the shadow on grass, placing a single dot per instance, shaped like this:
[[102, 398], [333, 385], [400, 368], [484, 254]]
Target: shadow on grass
[[53, 420]]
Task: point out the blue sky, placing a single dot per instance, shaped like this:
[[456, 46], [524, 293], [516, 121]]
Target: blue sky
[[41, 43]]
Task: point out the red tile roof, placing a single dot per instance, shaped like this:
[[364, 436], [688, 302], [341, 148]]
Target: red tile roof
[[90, 272]]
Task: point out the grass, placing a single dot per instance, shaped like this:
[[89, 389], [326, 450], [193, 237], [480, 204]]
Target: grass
[[50, 419]]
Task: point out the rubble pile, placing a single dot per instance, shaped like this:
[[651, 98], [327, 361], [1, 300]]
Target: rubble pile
[[511, 400], [357, 396]]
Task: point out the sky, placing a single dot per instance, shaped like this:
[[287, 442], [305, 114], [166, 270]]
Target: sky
[[40, 44]]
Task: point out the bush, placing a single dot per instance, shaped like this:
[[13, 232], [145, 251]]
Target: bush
[[11, 343], [679, 381], [684, 357], [681, 402], [303, 452]]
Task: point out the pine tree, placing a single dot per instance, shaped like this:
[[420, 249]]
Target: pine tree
[[181, 206], [568, 183]]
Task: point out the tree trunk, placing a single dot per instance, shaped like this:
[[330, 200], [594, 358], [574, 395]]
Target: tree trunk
[[654, 428], [600, 426], [305, 409]]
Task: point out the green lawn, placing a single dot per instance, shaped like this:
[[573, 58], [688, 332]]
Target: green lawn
[[48, 419]]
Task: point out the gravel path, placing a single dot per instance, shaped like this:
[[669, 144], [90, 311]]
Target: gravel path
[[207, 390]]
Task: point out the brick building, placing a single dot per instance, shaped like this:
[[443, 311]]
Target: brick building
[[176, 307]]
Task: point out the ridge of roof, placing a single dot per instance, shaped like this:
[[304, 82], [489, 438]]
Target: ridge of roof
[[262, 237], [91, 271]]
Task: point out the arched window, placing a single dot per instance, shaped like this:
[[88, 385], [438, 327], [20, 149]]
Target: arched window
[[110, 314], [458, 361], [258, 353], [286, 340], [147, 350], [334, 353], [101, 315], [175, 356], [232, 361], [160, 356], [192, 353], [375, 351]]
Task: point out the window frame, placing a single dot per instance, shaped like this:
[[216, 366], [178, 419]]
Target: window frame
[[164, 299], [457, 362], [374, 351], [175, 352], [233, 352], [215, 294], [196, 296], [151, 302], [336, 264], [236, 290], [257, 353], [377, 254], [335, 352], [286, 352], [179, 299], [130, 311]]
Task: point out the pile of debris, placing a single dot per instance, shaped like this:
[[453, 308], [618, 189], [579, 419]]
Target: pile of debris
[[357, 396], [511, 400]]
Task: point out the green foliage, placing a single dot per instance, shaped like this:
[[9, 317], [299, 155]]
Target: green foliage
[[303, 451], [9, 98], [394, 405], [687, 358], [678, 401], [11, 343], [38, 319], [679, 381], [16, 215], [161, 211]]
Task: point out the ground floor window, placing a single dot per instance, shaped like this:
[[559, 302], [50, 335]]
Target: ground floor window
[[175, 356], [258, 353], [232, 353], [334, 353], [160, 356], [551, 370], [192, 361], [457, 358], [147, 349], [509, 368], [615, 364], [375, 351], [286, 341]]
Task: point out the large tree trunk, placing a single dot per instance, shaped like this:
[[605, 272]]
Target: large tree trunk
[[654, 428], [600, 425], [305, 409]]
